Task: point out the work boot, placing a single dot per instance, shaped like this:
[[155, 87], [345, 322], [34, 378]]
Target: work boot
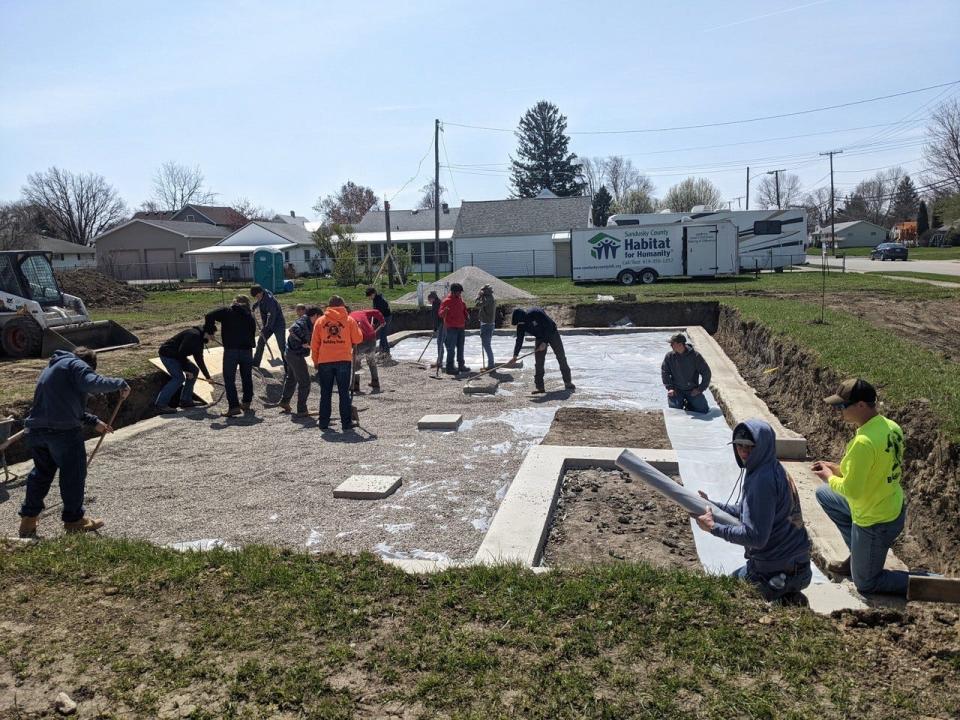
[[192, 404], [285, 407], [300, 414], [245, 406], [840, 568], [538, 391], [165, 409], [375, 386], [570, 386], [232, 412], [28, 526], [82, 525]]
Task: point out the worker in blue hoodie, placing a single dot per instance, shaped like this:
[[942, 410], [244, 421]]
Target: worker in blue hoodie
[[777, 547], [55, 436], [271, 323], [544, 330]]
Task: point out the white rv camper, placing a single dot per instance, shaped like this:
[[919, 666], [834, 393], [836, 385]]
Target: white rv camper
[[644, 253], [768, 239]]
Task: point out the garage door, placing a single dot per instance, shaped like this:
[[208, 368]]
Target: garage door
[[161, 264], [125, 264]]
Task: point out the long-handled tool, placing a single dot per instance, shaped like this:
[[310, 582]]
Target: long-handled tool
[[499, 367], [103, 435], [430, 340], [354, 413], [3, 450]]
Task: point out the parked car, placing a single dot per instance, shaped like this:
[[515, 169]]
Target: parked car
[[889, 251]]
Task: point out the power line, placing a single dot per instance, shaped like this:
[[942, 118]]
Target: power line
[[443, 144], [419, 165], [728, 122]]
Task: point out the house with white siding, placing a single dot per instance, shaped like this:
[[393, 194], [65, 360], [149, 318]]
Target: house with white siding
[[64, 255], [857, 233], [232, 257], [520, 237]]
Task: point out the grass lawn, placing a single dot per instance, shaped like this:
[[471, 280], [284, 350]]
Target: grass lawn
[[267, 633], [921, 276], [915, 253], [902, 370]]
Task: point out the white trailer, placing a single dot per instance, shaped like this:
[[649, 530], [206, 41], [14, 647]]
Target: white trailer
[[643, 253], [768, 239]]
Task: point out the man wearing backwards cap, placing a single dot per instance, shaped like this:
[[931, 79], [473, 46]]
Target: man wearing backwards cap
[[862, 495], [685, 375]]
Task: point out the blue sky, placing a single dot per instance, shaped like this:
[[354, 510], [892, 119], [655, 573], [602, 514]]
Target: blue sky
[[281, 102]]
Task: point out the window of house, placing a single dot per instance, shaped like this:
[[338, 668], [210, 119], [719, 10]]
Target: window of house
[[244, 257], [376, 251], [415, 253], [767, 227], [189, 218], [428, 253], [362, 254], [60, 256], [286, 256], [444, 252], [306, 254], [873, 232]]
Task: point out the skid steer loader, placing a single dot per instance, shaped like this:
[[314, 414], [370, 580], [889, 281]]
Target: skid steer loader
[[37, 318]]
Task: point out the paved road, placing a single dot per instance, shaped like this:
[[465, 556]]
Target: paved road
[[862, 264]]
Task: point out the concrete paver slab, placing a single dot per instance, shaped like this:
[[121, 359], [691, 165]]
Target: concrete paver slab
[[367, 487], [439, 422]]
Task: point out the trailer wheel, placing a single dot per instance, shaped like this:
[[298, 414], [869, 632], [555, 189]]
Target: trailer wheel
[[626, 277], [21, 337], [648, 276]]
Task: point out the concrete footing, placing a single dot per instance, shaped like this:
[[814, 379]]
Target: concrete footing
[[439, 422], [367, 487]]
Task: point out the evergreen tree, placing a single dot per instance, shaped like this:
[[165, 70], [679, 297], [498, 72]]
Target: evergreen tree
[[935, 220], [601, 206], [905, 201], [923, 221], [543, 160]]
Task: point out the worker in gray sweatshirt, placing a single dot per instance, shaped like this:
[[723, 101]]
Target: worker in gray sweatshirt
[[685, 375]]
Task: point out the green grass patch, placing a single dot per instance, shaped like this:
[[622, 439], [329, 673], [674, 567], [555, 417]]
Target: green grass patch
[[903, 371], [922, 276], [264, 632]]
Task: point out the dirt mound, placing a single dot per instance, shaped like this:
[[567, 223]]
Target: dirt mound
[[96, 289], [472, 278], [931, 476]]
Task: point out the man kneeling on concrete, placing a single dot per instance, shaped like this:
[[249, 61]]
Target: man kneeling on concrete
[[862, 495], [55, 436], [544, 331], [175, 355], [771, 529], [685, 375]]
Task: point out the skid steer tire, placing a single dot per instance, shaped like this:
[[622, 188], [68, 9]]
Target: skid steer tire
[[21, 337]]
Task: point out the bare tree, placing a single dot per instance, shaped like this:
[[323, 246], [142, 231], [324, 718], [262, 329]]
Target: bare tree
[[942, 151], [790, 191], [817, 205], [689, 193], [20, 224], [348, 205], [77, 207], [872, 199], [593, 173], [639, 200], [176, 185], [246, 210], [622, 177], [426, 201]]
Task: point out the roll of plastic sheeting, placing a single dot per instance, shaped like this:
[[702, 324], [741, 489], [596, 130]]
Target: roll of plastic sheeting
[[685, 498]]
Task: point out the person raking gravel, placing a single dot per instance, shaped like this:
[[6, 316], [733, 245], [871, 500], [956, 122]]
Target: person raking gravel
[[544, 330]]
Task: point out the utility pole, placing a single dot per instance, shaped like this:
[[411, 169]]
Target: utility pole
[[436, 199], [776, 179], [833, 236], [748, 187], [386, 215]]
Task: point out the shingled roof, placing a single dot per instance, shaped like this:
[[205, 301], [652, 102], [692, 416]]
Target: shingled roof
[[401, 220], [523, 216]]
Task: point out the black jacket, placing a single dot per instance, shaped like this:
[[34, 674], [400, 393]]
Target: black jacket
[[182, 346], [381, 304], [237, 326], [535, 322]]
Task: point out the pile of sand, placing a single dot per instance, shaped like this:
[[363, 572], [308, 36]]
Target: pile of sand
[[472, 278], [96, 289]]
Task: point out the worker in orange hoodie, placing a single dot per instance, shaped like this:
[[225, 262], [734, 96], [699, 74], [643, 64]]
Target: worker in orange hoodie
[[331, 348]]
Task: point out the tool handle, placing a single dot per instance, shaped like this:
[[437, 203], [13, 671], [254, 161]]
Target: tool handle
[[501, 365], [11, 440], [103, 435], [425, 348]]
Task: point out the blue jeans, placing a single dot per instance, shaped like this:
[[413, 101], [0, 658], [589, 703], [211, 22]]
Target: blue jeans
[[54, 450], [234, 358], [382, 335], [868, 545], [486, 342], [178, 385], [761, 580], [441, 342], [342, 374], [683, 400], [454, 341], [278, 333]]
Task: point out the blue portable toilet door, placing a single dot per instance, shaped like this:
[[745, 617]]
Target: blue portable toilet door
[[265, 274]]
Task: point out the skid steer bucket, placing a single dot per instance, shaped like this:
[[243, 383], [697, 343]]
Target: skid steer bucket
[[101, 336]]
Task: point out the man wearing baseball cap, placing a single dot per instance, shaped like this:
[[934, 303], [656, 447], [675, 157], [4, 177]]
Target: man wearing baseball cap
[[862, 495], [685, 375]]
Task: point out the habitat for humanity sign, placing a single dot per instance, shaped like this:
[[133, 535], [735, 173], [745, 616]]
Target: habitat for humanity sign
[[603, 253]]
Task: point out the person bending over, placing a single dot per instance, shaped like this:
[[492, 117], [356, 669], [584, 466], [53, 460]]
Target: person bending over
[[544, 330]]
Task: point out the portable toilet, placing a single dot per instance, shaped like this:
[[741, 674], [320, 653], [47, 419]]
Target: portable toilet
[[268, 269]]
